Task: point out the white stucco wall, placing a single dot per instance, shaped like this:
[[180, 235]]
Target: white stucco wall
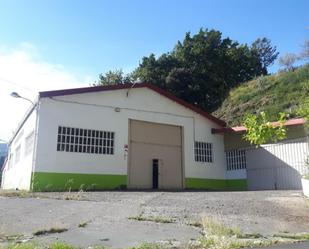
[[97, 111], [18, 175]]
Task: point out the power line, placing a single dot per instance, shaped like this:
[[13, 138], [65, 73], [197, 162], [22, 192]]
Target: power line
[[16, 84]]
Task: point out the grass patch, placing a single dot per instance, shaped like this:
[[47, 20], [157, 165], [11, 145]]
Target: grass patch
[[213, 227], [219, 236], [249, 236], [218, 242], [299, 237], [33, 245], [147, 246], [61, 245], [281, 92], [156, 219], [49, 231], [73, 196], [28, 245], [16, 193], [83, 224]]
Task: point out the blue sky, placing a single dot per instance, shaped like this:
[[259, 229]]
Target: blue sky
[[54, 44], [90, 37]]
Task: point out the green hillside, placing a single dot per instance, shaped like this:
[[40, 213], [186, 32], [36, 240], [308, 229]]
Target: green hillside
[[281, 92]]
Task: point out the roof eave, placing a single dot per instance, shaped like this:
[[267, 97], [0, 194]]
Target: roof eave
[[242, 129]]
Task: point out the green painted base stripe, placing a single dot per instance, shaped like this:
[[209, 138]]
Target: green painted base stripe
[[216, 184], [236, 184], [45, 181], [197, 183]]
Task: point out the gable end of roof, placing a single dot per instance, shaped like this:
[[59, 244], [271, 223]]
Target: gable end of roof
[[129, 86]]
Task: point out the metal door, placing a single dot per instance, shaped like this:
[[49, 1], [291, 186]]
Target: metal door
[[150, 141]]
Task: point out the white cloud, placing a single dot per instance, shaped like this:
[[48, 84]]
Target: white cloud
[[23, 70]]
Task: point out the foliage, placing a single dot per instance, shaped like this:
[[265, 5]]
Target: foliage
[[282, 92], [202, 68], [113, 78], [287, 61], [265, 51], [303, 111], [260, 130]]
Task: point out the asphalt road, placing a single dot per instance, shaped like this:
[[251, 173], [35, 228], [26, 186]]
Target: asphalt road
[[107, 215]]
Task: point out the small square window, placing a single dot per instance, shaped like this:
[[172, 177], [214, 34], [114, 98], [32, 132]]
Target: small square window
[[236, 159], [203, 152]]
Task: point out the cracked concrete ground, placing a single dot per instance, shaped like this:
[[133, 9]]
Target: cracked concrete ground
[[107, 213]]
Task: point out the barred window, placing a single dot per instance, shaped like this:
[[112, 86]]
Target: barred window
[[85, 141], [236, 159], [29, 143], [203, 152]]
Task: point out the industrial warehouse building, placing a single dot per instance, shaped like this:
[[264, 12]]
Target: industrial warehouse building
[[138, 137]]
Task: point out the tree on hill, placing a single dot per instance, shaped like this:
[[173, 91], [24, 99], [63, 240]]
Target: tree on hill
[[202, 68], [113, 78], [265, 51], [287, 61]]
